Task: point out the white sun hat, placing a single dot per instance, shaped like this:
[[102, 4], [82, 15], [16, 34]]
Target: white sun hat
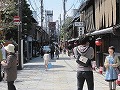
[[10, 48]]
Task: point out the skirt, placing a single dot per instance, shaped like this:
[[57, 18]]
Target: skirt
[[111, 75]]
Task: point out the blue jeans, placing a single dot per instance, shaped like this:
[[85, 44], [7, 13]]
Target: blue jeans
[[85, 75]]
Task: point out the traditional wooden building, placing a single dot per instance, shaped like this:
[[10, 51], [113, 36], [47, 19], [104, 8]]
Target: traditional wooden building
[[102, 18]]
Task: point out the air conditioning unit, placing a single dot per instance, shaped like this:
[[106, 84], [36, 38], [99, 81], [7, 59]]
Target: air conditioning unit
[[80, 31]]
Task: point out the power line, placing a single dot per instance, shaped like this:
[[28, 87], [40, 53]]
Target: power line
[[73, 5], [31, 5], [69, 8], [38, 8], [33, 8], [76, 2], [35, 5]]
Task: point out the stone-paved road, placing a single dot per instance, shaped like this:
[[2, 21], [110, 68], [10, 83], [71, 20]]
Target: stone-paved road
[[62, 76]]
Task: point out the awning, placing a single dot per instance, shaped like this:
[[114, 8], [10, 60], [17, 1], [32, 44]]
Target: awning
[[73, 39], [103, 31]]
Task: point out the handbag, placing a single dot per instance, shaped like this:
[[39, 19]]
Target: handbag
[[83, 59], [49, 65]]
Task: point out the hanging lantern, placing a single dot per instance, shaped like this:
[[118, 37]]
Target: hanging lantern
[[101, 70], [98, 42], [118, 80]]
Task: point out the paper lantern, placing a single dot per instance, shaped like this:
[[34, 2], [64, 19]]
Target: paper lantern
[[118, 80], [98, 42], [101, 70]]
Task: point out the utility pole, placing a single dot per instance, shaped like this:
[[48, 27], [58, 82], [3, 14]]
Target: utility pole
[[0, 15], [64, 10], [64, 14], [19, 34], [42, 13], [60, 22], [60, 27], [41, 20]]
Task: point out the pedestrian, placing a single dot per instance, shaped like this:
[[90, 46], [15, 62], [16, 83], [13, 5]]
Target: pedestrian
[[84, 71], [60, 49], [46, 58], [10, 66], [1, 58], [75, 50], [111, 62], [57, 51], [52, 51], [69, 49], [42, 53], [3, 52]]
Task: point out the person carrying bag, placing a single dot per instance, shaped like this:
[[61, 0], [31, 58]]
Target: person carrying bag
[[82, 59], [84, 70]]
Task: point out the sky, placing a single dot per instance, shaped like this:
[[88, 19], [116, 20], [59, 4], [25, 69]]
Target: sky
[[56, 6]]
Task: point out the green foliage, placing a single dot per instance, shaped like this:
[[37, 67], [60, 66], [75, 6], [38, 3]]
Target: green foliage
[[7, 17], [67, 22], [26, 17], [11, 34], [64, 28], [2, 41]]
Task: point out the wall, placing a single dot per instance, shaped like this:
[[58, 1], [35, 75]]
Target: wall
[[89, 19], [105, 13]]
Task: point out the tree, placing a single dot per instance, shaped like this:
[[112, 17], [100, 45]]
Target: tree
[[8, 12], [26, 17], [64, 28]]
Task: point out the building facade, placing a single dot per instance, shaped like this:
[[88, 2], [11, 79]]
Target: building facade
[[102, 20]]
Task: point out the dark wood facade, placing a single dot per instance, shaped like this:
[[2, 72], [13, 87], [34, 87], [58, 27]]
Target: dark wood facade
[[100, 15]]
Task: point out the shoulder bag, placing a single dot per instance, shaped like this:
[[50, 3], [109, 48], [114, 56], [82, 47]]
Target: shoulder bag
[[82, 60]]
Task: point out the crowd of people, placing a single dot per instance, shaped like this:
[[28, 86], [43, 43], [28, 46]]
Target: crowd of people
[[54, 52], [83, 54]]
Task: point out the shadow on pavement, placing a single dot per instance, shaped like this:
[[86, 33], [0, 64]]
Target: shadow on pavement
[[37, 59], [53, 60], [57, 66], [63, 58], [39, 67], [33, 67]]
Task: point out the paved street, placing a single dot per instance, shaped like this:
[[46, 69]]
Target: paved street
[[62, 76]]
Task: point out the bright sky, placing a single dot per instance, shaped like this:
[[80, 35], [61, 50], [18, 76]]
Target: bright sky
[[56, 6]]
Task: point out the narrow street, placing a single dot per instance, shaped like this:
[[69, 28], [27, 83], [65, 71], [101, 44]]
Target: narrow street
[[36, 27], [62, 76]]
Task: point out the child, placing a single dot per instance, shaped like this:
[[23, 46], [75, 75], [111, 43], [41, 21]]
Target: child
[[111, 62], [46, 58]]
